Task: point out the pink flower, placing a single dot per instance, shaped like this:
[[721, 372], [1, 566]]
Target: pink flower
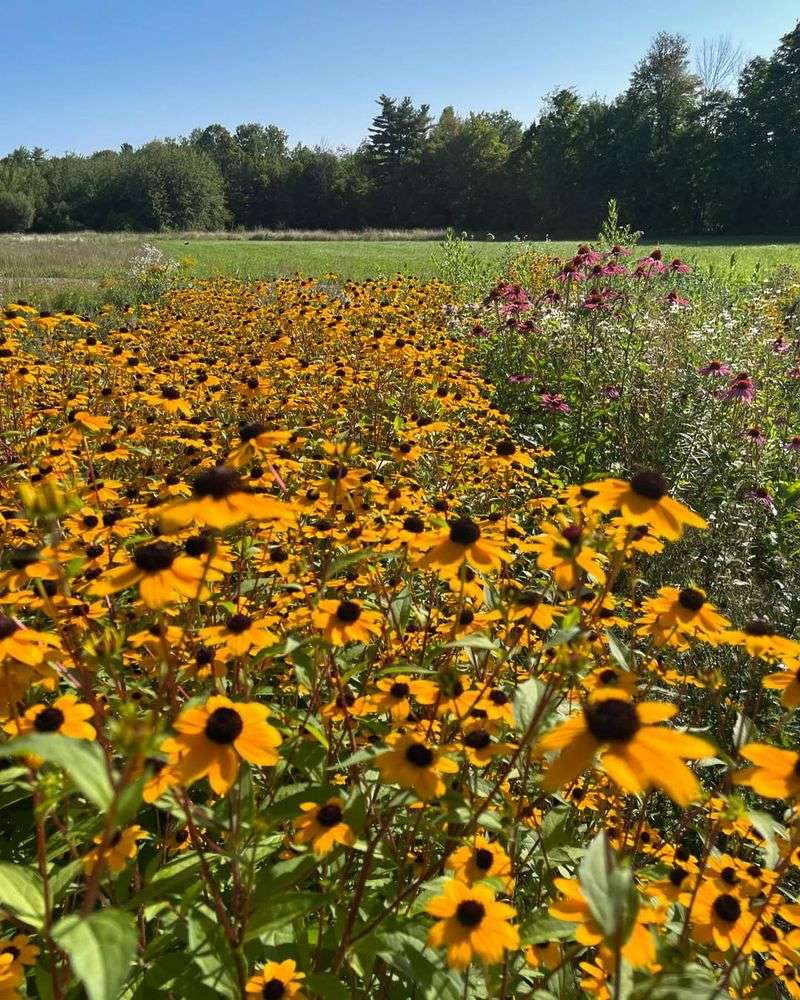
[[679, 267], [761, 496], [618, 251], [741, 390], [613, 269], [794, 372], [479, 331], [716, 368], [652, 264], [551, 297], [586, 256], [793, 444], [520, 379], [554, 402], [612, 391], [571, 272], [596, 299], [755, 436], [780, 346], [673, 299]]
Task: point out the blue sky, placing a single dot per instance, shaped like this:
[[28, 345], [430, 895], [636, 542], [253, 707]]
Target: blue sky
[[81, 75]]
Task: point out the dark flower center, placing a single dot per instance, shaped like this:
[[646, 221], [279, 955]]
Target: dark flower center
[[691, 599], [49, 720], [677, 875], [278, 555], [498, 697], [470, 912], [197, 545], [154, 557], [796, 767], [223, 726], [273, 990], [414, 524], [329, 814], [608, 675], [729, 876], [572, 534], [649, 484], [399, 690], [23, 556], [419, 755], [483, 859], [348, 612], [478, 739], [727, 908], [505, 448], [337, 471], [218, 483], [170, 392], [769, 933], [463, 531], [466, 617], [757, 628], [11, 950], [249, 431], [238, 623], [612, 720], [7, 627]]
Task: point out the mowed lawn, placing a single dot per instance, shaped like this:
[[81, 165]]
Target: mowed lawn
[[82, 270], [365, 259]]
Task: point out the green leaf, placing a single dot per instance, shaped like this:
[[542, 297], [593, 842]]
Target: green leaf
[[276, 913], [101, 949], [619, 651], [211, 952], [21, 893], [83, 761], [609, 891], [526, 699], [324, 985], [771, 830]]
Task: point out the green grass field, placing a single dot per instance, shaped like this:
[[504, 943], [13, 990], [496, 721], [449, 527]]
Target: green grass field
[[69, 270], [364, 259]]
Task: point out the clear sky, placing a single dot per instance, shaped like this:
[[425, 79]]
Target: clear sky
[[80, 75]]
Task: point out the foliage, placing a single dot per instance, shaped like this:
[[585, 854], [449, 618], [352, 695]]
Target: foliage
[[319, 681], [16, 212], [680, 152]]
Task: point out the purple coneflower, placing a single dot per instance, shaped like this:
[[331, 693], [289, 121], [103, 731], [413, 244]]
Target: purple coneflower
[[780, 346], [793, 444], [679, 267], [521, 379], [741, 390], [554, 402], [570, 272], [479, 331], [716, 368], [586, 256], [652, 263], [755, 436], [618, 251], [612, 391], [761, 496]]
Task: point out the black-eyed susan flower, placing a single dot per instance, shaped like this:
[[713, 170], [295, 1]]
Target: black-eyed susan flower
[[323, 826], [643, 500], [119, 849], [393, 695], [414, 764], [761, 639], [544, 954], [636, 754], [776, 774], [220, 500], [162, 573], [240, 634], [24, 645], [213, 739], [66, 716], [680, 614], [563, 553], [21, 949], [787, 682], [462, 541], [346, 621], [720, 916], [277, 981], [481, 859], [471, 923]]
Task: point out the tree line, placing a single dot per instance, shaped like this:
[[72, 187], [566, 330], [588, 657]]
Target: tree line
[[697, 145]]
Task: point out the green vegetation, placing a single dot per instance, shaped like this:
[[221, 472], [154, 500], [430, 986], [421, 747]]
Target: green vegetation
[[81, 271], [683, 152]]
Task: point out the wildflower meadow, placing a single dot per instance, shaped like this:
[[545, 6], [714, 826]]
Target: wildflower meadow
[[396, 639]]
